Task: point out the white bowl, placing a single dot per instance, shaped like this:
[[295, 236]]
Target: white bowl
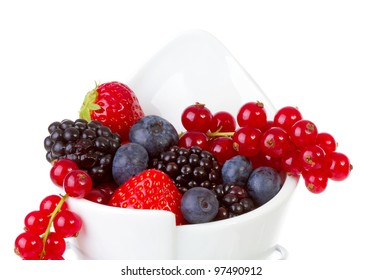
[[195, 67]]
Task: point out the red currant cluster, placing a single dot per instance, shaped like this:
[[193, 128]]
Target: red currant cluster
[[38, 241], [287, 143]]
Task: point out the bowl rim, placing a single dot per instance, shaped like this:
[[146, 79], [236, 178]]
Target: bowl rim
[[280, 198]]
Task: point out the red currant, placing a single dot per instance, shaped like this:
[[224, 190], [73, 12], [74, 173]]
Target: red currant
[[327, 142], [50, 203], [246, 141], [316, 180], [59, 170], [286, 117], [67, 223], [222, 148], [193, 138], [291, 162], [196, 117], [223, 122], [340, 167], [28, 245], [264, 160], [37, 221], [55, 244], [275, 142], [98, 196], [77, 183], [313, 157], [303, 133], [252, 114]]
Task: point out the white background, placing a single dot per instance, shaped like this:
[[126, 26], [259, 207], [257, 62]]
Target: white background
[[324, 57]]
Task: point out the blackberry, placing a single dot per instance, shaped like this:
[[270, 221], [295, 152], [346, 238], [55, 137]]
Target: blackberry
[[233, 201], [90, 144], [189, 168]]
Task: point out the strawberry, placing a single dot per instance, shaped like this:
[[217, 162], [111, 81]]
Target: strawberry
[[151, 189], [113, 104]]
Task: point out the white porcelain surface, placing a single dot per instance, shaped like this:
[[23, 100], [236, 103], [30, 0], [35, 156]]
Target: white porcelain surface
[[194, 67]]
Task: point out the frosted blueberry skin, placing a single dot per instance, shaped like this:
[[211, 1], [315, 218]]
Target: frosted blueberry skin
[[236, 170], [154, 133], [263, 184], [199, 205], [129, 160]]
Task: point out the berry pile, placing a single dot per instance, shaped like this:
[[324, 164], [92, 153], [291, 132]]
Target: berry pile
[[46, 228], [221, 167], [287, 143]]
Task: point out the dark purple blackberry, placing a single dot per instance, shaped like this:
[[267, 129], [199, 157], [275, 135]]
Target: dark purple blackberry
[[233, 201], [90, 144], [189, 167]]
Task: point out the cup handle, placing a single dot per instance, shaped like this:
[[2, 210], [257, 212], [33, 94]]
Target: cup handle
[[278, 252]]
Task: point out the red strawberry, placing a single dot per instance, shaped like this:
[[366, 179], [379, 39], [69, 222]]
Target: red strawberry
[[113, 104], [151, 189]]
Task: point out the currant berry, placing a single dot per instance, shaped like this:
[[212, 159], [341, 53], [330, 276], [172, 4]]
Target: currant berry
[[28, 245], [252, 114], [223, 122], [67, 223], [196, 117], [246, 141], [316, 180], [50, 203], [275, 142], [339, 166], [60, 169], [55, 245], [313, 157], [286, 117], [98, 196], [36, 221], [193, 138], [291, 162], [303, 133], [327, 142], [222, 148], [77, 183]]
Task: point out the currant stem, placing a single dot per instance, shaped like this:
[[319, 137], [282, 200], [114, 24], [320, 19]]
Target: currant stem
[[216, 134], [52, 216]]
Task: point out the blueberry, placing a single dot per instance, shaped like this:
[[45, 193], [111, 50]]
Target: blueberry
[[129, 160], [154, 133], [236, 170], [199, 205], [263, 184]]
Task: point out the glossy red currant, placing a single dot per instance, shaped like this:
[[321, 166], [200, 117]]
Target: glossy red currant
[[275, 142], [223, 122], [286, 117], [252, 114], [37, 221], [316, 180], [67, 223], [193, 138], [60, 169], [303, 133], [196, 117], [327, 142], [222, 148], [339, 166], [246, 141], [28, 245], [50, 203], [77, 183]]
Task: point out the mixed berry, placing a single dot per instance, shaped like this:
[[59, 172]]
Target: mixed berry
[[220, 167]]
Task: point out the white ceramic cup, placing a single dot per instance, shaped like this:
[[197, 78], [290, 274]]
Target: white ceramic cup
[[194, 67]]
